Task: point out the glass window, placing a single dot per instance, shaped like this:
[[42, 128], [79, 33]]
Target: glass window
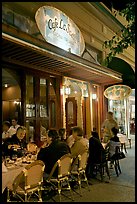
[[43, 98], [30, 105]]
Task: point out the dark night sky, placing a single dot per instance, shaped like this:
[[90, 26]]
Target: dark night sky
[[117, 4]]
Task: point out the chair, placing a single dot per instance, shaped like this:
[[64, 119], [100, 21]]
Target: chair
[[80, 170], [63, 165], [103, 164], [28, 182], [116, 162]]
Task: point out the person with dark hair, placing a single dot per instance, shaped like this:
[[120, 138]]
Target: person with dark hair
[[96, 153], [7, 131], [113, 143], [53, 151], [15, 124], [94, 133], [62, 134], [16, 144]]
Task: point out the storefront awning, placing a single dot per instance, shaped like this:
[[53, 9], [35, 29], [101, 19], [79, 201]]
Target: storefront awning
[[27, 51]]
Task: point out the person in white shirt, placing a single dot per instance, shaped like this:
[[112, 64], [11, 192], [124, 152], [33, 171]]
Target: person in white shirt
[[107, 125], [14, 124], [7, 131]]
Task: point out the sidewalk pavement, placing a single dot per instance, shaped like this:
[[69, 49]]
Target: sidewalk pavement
[[119, 189]]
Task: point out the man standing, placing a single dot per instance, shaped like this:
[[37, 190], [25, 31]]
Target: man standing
[[15, 125]]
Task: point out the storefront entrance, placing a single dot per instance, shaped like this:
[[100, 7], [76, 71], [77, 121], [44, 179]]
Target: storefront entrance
[[71, 113]]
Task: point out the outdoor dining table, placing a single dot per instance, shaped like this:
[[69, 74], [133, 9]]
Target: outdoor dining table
[[123, 140], [13, 170]]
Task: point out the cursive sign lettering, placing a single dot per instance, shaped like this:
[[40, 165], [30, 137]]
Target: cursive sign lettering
[[54, 24], [58, 29]]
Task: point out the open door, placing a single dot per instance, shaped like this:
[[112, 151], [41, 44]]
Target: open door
[[71, 113]]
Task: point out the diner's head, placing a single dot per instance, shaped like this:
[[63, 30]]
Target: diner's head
[[20, 133], [62, 133], [109, 115], [114, 131], [95, 134], [14, 121], [77, 131], [6, 125], [52, 135], [24, 129]]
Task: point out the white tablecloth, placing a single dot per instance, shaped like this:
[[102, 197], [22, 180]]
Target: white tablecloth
[[123, 138], [9, 176]]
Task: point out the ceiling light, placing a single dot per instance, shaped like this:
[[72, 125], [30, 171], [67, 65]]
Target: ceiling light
[[5, 85]]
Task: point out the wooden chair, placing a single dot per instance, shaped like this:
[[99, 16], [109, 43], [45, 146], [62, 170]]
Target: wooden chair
[[103, 164], [28, 182], [63, 165], [80, 170]]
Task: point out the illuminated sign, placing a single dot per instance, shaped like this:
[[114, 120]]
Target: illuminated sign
[[117, 92], [58, 29]]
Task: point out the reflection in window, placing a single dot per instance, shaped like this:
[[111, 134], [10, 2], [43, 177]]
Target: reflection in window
[[30, 106], [30, 130], [43, 98]]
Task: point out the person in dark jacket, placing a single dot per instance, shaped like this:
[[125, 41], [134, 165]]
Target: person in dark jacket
[[62, 134], [54, 151], [15, 145], [96, 154]]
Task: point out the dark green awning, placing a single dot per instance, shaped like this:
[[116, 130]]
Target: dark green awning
[[125, 69]]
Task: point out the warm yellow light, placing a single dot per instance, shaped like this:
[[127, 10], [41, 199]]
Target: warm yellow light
[[94, 96]]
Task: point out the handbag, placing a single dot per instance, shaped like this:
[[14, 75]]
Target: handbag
[[119, 155]]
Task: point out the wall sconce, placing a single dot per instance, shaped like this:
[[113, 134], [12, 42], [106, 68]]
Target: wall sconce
[[61, 91], [16, 102], [5, 85], [67, 90], [94, 96]]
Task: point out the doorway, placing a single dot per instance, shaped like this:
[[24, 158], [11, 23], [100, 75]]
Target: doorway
[[71, 113]]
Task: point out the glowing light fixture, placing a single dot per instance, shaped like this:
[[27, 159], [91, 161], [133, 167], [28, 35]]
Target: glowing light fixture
[[117, 92], [67, 90], [94, 96], [5, 85]]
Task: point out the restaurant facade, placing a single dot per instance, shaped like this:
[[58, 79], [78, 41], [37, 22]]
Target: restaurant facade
[[56, 81]]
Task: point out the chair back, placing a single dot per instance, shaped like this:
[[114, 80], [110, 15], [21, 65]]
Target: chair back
[[82, 160], [64, 165], [31, 176]]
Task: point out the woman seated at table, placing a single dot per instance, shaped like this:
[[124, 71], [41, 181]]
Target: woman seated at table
[[113, 142], [96, 154], [16, 145]]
